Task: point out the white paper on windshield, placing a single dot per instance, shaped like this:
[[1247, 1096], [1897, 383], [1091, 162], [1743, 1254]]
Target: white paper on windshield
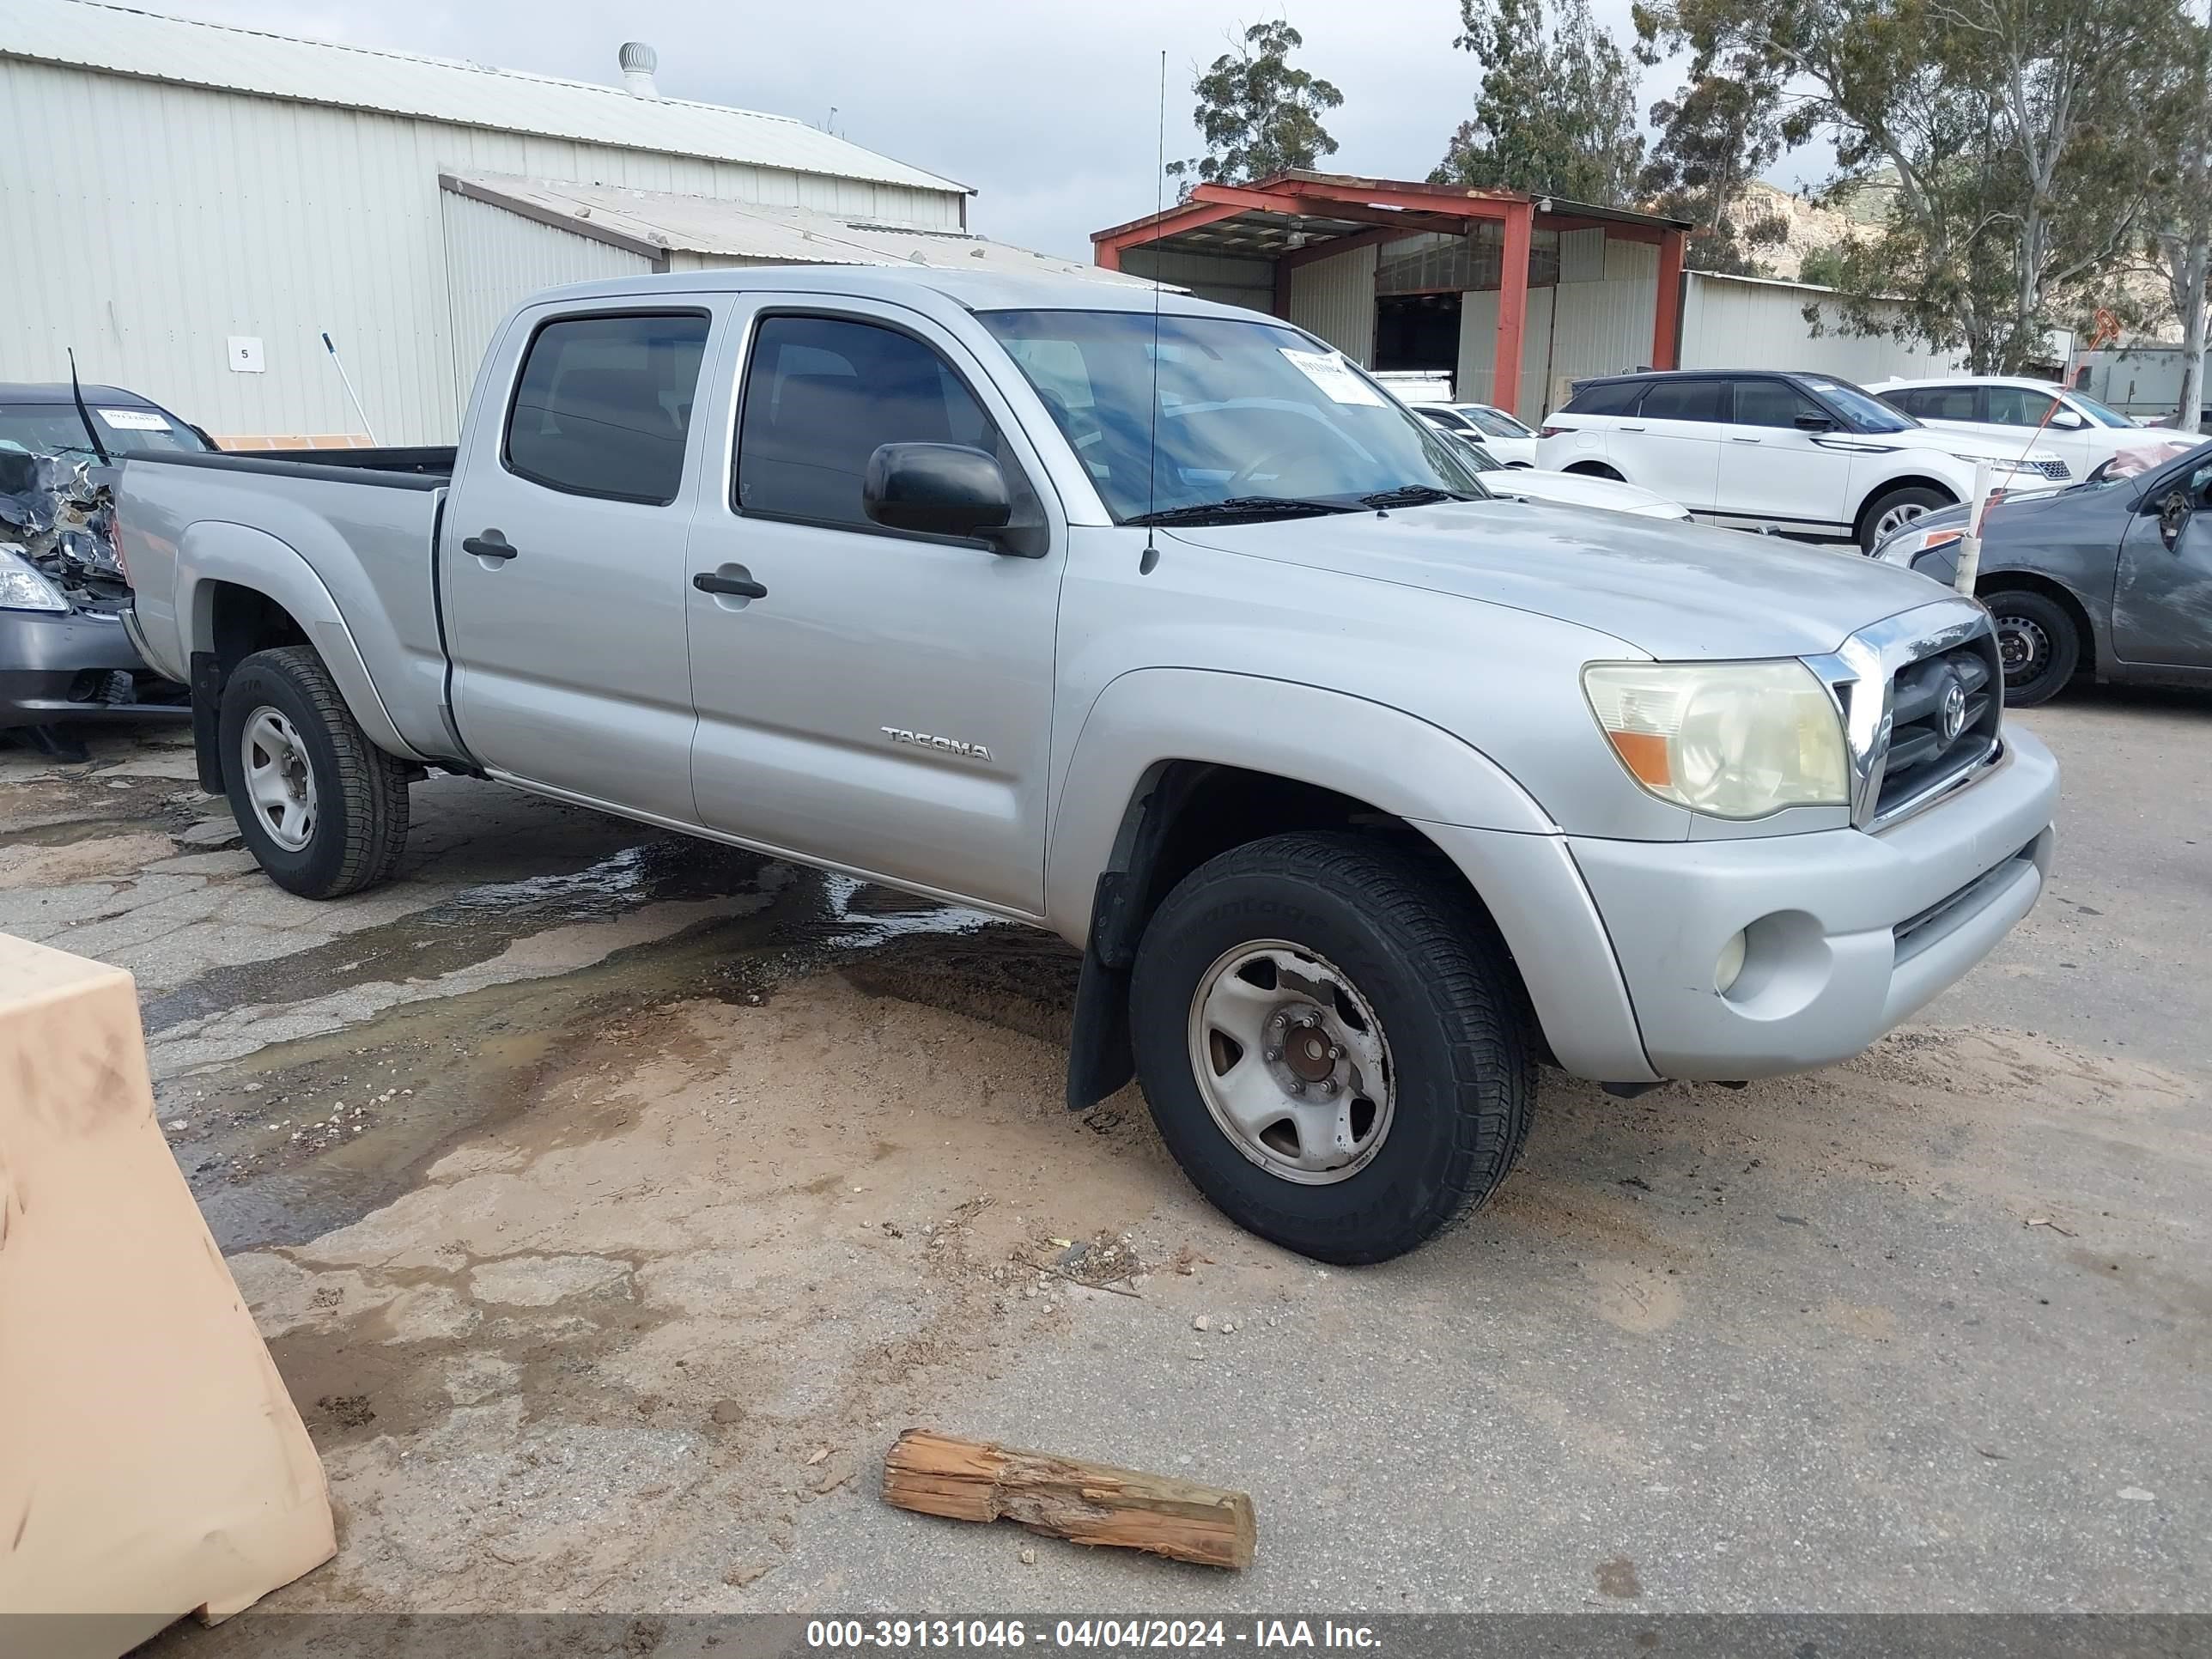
[[1328, 371], [134, 420]]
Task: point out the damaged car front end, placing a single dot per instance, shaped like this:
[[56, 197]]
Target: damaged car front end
[[64, 656]]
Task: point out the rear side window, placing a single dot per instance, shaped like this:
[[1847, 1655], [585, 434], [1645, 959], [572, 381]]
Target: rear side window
[[1685, 400], [822, 394], [603, 405], [1606, 397]]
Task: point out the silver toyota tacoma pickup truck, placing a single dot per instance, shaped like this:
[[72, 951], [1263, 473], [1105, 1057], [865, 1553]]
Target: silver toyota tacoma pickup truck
[[1168, 630]]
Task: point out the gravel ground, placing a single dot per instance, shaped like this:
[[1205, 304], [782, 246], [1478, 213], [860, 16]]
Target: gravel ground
[[609, 1202]]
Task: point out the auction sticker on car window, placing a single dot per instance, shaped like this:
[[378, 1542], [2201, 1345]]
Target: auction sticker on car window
[[134, 420], [1334, 376]]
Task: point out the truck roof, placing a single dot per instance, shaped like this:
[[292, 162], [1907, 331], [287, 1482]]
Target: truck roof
[[971, 290]]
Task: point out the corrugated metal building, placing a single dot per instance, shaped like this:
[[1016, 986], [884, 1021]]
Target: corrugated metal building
[[1600, 290], [191, 206]]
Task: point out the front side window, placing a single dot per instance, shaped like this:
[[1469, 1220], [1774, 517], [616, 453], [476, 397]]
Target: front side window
[[1685, 400], [1771, 402], [1249, 419], [603, 405], [2017, 405], [822, 394]]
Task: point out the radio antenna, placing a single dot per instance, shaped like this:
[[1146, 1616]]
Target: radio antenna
[[1152, 554]]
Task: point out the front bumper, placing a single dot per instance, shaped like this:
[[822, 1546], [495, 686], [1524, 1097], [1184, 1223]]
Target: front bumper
[[56, 667], [1848, 933]]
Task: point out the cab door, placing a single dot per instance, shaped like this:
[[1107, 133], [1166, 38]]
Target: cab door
[[1773, 465], [873, 699], [2162, 589], [562, 563], [1672, 443]]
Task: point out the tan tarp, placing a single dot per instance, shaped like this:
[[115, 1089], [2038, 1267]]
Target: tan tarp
[[151, 1462]]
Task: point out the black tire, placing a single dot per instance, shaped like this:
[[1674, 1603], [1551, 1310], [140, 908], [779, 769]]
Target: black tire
[[360, 825], [1922, 496], [1444, 993], [2038, 642]]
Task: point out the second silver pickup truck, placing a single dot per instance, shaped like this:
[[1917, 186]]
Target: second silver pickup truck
[[1362, 791]]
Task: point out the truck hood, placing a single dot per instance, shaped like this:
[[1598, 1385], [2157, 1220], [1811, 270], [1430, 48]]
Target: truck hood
[[1676, 591]]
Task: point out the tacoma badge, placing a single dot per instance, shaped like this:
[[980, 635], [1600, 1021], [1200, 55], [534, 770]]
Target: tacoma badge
[[950, 745]]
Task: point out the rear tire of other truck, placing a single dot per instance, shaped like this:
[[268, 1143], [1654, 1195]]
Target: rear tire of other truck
[[322, 808], [2037, 642], [1888, 513], [1333, 1044]]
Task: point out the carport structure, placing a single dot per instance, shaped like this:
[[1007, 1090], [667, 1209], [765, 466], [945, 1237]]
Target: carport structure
[[1381, 268]]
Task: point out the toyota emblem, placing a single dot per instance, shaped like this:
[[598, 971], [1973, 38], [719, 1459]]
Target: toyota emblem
[[1954, 711]]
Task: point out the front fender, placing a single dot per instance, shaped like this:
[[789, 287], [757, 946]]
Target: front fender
[[213, 551], [1392, 761]]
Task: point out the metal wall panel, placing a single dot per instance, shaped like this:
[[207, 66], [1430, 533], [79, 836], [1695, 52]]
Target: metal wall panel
[[1334, 298], [494, 257], [1218, 278], [149, 223], [1731, 323], [1574, 329]]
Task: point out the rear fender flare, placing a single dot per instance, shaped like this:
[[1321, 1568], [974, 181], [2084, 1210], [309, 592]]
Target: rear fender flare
[[214, 551]]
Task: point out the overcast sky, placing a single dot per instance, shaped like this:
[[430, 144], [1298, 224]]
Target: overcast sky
[[1048, 110]]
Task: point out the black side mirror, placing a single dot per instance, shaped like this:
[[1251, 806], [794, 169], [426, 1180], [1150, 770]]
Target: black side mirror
[[936, 489], [2174, 509], [1815, 423]]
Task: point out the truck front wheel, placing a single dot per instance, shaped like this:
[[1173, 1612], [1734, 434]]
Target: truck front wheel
[[322, 809], [1332, 1043]]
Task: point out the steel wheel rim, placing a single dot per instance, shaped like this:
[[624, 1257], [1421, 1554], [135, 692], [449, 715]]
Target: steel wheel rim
[[1897, 518], [1269, 1015], [279, 780], [2023, 650]]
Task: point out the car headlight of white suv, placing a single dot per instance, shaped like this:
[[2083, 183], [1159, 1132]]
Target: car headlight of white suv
[[1731, 739]]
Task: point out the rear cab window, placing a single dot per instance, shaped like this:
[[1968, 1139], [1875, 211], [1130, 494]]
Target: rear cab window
[[603, 405]]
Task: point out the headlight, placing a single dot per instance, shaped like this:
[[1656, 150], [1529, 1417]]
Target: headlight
[[24, 586], [2002, 464], [1733, 740], [1907, 545]]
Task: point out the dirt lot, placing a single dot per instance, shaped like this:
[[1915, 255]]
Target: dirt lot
[[610, 1201]]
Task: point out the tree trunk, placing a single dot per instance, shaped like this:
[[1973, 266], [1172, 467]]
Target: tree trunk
[[1089, 1503], [2192, 296]]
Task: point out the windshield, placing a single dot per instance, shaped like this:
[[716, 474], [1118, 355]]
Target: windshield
[[1249, 415], [2096, 412], [1861, 408], [54, 428], [1496, 423]]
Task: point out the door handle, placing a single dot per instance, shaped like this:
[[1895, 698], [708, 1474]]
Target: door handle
[[1734, 440], [737, 587], [1629, 428], [489, 545]]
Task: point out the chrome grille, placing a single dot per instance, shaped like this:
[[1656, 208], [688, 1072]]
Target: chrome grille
[[1944, 712]]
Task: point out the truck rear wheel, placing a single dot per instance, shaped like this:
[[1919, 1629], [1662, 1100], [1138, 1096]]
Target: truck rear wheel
[[1332, 1044], [322, 809]]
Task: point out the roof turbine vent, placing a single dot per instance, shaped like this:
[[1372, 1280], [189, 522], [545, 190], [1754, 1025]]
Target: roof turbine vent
[[638, 62]]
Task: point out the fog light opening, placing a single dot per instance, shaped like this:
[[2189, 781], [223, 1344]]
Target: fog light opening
[[1730, 965]]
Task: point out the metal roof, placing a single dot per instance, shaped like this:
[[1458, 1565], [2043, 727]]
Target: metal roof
[[657, 222], [115, 40]]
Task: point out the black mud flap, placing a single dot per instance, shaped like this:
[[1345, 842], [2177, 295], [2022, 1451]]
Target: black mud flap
[[207, 717], [1099, 1058]]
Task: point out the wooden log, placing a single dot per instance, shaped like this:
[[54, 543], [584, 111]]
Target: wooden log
[[1089, 1503]]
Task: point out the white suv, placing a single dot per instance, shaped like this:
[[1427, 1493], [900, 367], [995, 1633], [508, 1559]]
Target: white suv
[[1809, 454], [2006, 410]]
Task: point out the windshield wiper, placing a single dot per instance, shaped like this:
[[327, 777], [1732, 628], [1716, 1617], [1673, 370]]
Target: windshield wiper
[[1418, 495], [1242, 506]]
